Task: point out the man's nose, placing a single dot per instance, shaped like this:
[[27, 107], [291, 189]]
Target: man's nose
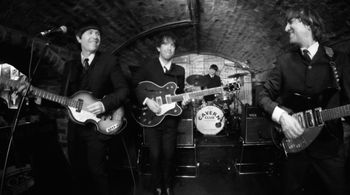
[[287, 28], [95, 35]]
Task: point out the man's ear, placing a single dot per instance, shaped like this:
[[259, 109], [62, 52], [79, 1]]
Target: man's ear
[[78, 38]]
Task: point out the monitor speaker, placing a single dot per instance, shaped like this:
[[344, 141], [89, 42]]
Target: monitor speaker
[[256, 126], [184, 134], [184, 130]]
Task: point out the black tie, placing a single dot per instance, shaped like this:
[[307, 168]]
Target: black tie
[[86, 64], [306, 55], [165, 69]]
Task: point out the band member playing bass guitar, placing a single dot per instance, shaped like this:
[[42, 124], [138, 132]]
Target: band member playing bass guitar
[[309, 76], [162, 137], [97, 88], [100, 74]]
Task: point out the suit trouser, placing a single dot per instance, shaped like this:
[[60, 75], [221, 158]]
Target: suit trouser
[[298, 168], [162, 143], [87, 153]]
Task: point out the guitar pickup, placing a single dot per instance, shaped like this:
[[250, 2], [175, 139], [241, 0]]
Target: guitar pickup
[[159, 100], [168, 99], [300, 118], [310, 122], [318, 116], [79, 105]]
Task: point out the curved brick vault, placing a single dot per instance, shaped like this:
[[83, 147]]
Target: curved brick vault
[[238, 30]]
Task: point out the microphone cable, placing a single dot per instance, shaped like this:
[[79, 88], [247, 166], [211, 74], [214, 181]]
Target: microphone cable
[[130, 165]]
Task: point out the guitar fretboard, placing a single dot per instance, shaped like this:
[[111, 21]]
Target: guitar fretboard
[[44, 94], [334, 113], [180, 97], [55, 98]]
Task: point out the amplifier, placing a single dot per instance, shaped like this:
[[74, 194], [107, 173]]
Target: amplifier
[[184, 134], [256, 126]]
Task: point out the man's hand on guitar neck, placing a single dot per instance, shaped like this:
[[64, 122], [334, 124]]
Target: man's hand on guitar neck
[[290, 126], [153, 106], [186, 100], [22, 85]]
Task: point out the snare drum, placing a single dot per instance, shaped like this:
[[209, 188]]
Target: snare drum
[[210, 120]]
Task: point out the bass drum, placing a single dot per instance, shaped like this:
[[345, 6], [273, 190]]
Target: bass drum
[[210, 120]]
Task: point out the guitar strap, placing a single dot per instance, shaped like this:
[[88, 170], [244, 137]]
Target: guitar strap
[[67, 81], [332, 64]]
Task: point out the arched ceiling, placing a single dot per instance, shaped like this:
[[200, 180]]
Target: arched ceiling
[[238, 30]]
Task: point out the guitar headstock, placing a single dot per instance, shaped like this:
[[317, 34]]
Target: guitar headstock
[[234, 86]]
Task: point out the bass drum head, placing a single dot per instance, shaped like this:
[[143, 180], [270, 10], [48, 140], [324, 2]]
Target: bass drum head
[[209, 120]]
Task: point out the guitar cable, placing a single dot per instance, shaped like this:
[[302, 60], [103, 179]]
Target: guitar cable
[[130, 165]]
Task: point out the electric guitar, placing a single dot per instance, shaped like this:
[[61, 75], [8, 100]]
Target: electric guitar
[[167, 99], [312, 119], [76, 105]]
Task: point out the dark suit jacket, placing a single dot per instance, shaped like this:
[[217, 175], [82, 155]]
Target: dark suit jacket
[[292, 74], [104, 79], [211, 83], [152, 71]]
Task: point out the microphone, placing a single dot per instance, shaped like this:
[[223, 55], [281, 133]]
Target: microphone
[[62, 29]]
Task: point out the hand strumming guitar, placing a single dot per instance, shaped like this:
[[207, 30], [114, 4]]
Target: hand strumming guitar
[[153, 106], [96, 108], [290, 126]]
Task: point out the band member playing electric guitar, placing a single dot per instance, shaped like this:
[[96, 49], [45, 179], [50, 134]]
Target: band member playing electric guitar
[[309, 76], [100, 74], [91, 74], [162, 137]]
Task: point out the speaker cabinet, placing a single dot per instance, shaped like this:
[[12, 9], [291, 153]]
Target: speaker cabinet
[[256, 126], [184, 134], [186, 164]]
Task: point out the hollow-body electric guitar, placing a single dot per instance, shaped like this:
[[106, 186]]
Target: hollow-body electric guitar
[[167, 99], [76, 105]]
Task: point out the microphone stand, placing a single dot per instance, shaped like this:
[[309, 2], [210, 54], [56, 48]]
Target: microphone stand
[[16, 119]]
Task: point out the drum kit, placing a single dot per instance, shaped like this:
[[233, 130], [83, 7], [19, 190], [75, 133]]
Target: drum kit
[[212, 117]]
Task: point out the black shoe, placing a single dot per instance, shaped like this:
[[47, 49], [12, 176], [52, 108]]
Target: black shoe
[[157, 191]]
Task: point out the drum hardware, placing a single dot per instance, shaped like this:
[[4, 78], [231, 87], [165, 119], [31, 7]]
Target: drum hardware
[[196, 80], [236, 75]]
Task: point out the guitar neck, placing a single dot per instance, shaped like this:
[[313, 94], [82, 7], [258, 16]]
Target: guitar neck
[[180, 97], [335, 113], [53, 97], [43, 94]]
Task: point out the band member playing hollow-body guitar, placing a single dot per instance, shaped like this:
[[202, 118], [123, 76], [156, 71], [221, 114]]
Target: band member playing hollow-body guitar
[[302, 79], [162, 138]]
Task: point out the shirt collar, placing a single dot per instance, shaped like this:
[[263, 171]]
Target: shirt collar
[[312, 49], [167, 65], [90, 57]]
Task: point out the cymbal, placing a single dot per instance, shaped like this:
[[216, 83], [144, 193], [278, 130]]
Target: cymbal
[[238, 75], [196, 80]]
